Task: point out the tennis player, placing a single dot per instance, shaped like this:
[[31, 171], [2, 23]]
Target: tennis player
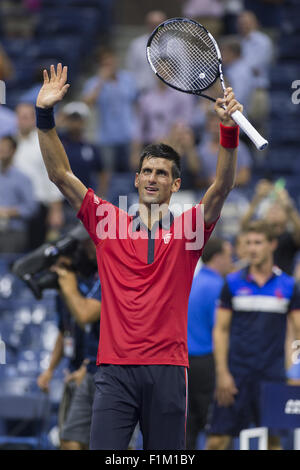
[[146, 265]]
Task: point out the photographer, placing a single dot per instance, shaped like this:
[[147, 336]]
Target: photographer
[[78, 307]]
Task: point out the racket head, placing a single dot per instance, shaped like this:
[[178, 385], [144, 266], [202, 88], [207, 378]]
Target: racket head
[[184, 55]]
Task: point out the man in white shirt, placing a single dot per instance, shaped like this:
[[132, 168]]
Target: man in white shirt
[[237, 70], [257, 51], [28, 159], [136, 57]]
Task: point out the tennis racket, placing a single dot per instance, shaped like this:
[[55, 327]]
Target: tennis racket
[[185, 56]]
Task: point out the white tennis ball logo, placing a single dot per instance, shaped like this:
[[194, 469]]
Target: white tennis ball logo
[[202, 75]]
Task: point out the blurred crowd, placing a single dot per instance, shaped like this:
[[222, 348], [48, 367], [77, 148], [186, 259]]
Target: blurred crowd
[[121, 108]]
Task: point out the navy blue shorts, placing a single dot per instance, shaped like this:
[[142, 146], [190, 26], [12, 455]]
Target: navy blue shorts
[[153, 395], [245, 411]]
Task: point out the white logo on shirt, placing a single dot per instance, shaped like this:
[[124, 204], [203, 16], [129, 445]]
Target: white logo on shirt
[[167, 238], [96, 199], [292, 407]]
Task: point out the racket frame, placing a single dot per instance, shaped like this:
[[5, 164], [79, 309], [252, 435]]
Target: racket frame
[[237, 116], [191, 92]]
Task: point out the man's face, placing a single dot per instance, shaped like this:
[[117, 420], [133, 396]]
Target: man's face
[[155, 181], [259, 249], [26, 118], [74, 124], [246, 23]]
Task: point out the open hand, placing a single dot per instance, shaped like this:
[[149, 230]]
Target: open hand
[[54, 88]]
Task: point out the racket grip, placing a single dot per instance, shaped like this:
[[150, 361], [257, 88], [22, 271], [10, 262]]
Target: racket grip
[[259, 142]]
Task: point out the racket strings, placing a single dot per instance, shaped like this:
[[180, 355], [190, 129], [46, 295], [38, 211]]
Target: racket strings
[[185, 56]]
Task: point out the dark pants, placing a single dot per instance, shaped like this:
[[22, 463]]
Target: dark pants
[[200, 396], [153, 395]]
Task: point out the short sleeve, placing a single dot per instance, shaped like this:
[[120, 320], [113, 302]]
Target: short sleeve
[[99, 217], [295, 299], [225, 300]]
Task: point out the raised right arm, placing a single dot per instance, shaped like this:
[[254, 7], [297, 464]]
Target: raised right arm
[[54, 155]]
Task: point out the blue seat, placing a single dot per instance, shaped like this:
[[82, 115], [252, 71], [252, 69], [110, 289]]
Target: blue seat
[[81, 22], [15, 47], [24, 419], [284, 132], [282, 159], [282, 76], [277, 402], [289, 47], [282, 106]]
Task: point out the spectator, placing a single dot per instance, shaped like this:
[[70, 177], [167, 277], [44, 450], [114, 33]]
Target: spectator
[[207, 12], [249, 337], [206, 288], [30, 95], [136, 57], [8, 122], [78, 307], [28, 158], [208, 151], [237, 202], [113, 92], [17, 202], [84, 157], [182, 139], [257, 51], [6, 67], [158, 110], [284, 218], [236, 70], [269, 12]]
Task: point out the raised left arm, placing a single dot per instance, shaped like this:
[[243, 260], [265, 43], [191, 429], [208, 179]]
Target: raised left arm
[[216, 194]]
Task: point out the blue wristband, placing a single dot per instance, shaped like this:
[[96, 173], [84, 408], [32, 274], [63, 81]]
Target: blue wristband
[[44, 118]]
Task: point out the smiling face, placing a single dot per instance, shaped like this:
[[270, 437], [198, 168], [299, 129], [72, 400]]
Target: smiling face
[[155, 181]]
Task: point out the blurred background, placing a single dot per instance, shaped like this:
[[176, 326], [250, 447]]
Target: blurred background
[[114, 107]]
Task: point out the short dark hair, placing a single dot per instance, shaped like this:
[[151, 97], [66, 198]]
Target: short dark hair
[[213, 247], [11, 139], [260, 226], [162, 151]]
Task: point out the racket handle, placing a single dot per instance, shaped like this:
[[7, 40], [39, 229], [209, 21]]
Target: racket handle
[[259, 142]]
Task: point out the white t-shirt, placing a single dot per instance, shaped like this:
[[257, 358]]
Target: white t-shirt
[[28, 158]]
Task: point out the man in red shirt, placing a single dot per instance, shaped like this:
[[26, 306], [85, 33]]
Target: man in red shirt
[[146, 265]]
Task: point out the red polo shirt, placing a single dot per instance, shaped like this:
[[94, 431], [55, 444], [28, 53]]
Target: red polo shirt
[[146, 279]]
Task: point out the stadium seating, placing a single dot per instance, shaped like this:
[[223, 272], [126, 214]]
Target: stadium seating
[[24, 416]]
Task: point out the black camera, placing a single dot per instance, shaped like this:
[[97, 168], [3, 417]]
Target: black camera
[[33, 268]]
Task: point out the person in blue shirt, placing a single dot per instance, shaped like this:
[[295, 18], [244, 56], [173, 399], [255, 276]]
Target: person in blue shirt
[[249, 337], [17, 201], [206, 288], [113, 93], [85, 158]]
